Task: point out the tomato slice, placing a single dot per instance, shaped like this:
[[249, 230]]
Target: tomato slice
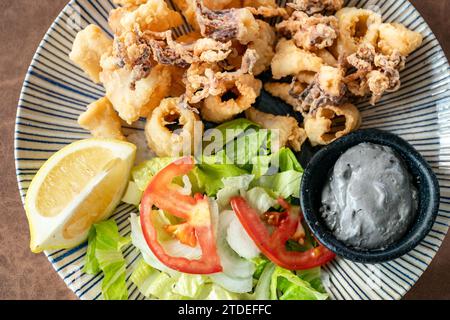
[[273, 245], [195, 210]]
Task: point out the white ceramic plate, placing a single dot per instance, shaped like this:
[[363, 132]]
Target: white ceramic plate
[[55, 92]]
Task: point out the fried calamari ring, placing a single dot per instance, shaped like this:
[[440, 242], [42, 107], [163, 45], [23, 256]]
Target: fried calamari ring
[[264, 47], [289, 132], [330, 123], [201, 82], [167, 51], [396, 37], [289, 60], [166, 142], [310, 32], [226, 25], [208, 79], [356, 26], [239, 96]]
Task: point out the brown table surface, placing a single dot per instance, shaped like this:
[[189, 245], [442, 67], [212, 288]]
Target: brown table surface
[[24, 275]]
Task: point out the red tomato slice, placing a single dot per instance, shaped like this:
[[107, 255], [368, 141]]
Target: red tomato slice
[[196, 212], [274, 245]]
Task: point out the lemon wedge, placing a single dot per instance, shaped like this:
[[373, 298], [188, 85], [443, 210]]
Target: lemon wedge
[[78, 186]]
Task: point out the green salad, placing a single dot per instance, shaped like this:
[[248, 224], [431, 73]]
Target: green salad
[[223, 225]]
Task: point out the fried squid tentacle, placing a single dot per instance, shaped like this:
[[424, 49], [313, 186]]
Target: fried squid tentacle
[[310, 32], [317, 6], [374, 73], [226, 25], [327, 88]]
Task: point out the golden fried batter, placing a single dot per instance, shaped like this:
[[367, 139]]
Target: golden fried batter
[[166, 142], [101, 120], [129, 3], [207, 79], [356, 27], [282, 91], [166, 51], [89, 46], [132, 102], [310, 32], [396, 37], [330, 123], [226, 25], [264, 47], [327, 88], [375, 72], [289, 60], [239, 95], [317, 6], [289, 132], [152, 15]]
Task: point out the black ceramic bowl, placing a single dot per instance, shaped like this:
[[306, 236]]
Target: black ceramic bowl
[[315, 176]]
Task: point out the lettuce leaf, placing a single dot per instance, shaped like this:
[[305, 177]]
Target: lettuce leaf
[[259, 199], [246, 147], [283, 160], [287, 160], [215, 292], [104, 253], [284, 184], [91, 263], [262, 290], [143, 173], [207, 178], [285, 285], [232, 187], [133, 194], [189, 285], [313, 276], [153, 283], [232, 129]]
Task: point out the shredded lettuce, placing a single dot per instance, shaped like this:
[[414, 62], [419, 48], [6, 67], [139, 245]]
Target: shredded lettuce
[[155, 284], [208, 177], [104, 253], [284, 184], [283, 160], [133, 194], [215, 292], [262, 290], [314, 277], [259, 199], [232, 187], [285, 285], [91, 263], [143, 173], [232, 129], [287, 160], [189, 285]]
